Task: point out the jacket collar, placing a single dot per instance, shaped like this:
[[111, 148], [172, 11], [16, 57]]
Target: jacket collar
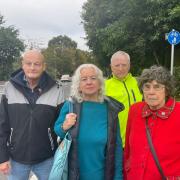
[[19, 81], [114, 104], [162, 113], [125, 78]]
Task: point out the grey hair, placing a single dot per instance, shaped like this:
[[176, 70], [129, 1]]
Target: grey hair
[[159, 74], [35, 51], [31, 51], [119, 53], [75, 93]]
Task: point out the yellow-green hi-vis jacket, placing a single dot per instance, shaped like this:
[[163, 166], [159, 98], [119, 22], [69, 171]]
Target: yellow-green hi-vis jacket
[[125, 91]]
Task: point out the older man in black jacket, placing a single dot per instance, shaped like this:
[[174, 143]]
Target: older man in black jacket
[[28, 109]]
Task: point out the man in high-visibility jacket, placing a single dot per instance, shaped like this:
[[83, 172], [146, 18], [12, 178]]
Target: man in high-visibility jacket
[[122, 86]]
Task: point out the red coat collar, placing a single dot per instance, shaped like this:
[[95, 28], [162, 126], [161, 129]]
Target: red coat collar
[[162, 113]]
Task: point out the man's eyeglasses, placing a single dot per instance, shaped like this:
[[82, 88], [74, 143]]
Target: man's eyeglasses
[[36, 64], [156, 87]]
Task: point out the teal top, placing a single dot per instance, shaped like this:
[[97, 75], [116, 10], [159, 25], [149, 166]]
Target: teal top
[[92, 139]]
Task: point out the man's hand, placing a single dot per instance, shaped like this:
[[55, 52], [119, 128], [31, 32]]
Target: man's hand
[[5, 167]]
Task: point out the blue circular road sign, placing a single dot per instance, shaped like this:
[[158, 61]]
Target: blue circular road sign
[[174, 37]]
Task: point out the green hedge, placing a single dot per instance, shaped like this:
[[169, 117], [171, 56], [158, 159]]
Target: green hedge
[[177, 76]]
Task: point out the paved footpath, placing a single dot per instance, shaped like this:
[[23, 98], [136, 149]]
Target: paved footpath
[[2, 177]]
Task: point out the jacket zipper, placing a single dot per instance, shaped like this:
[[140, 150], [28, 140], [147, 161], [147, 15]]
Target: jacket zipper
[[133, 95], [51, 139], [127, 93], [10, 137]]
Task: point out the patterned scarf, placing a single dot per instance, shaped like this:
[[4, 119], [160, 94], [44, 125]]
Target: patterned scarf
[[162, 113]]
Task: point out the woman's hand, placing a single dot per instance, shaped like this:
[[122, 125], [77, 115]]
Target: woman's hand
[[69, 121]]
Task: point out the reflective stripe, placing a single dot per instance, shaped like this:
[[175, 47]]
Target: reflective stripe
[[50, 138]]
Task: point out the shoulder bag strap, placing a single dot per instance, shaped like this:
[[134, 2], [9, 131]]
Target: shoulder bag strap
[[153, 151]]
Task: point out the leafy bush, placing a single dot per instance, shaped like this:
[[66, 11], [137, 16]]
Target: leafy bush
[[177, 76]]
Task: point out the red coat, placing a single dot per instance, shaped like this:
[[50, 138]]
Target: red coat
[[165, 131]]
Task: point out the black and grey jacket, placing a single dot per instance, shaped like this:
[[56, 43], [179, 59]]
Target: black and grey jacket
[[27, 119]]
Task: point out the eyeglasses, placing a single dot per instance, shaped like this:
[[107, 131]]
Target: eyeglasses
[[29, 64], [85, 79], [156, 87]]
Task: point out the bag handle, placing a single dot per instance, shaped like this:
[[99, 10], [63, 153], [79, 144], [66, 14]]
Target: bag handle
[[153, 151], [70, 105]]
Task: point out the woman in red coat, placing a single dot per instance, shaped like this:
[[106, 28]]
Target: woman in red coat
[[162, 114]]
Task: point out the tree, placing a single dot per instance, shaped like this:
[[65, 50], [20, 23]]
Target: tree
[[10, 48], [63, 57], [137, 27], [62, 42]]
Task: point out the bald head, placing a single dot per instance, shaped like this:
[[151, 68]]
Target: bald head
[[33, 54]]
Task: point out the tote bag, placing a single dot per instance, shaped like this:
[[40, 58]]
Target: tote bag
[[59, 169]]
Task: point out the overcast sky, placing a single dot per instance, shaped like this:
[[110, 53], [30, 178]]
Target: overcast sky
[[41, 20]]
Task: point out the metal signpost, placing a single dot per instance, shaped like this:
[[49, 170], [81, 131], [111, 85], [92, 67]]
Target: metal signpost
[[173, 39]]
